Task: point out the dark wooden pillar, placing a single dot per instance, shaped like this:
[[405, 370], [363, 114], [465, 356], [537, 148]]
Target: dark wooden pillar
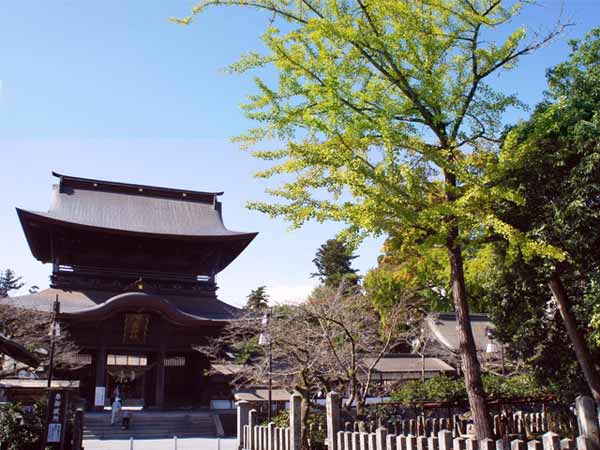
[[100, 375], [160, 377]]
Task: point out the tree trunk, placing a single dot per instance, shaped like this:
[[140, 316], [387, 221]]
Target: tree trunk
[[583, 355], [466, 342], [468, 351]]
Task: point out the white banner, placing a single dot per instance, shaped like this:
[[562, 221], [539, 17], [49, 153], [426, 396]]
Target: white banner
[[99, 399]]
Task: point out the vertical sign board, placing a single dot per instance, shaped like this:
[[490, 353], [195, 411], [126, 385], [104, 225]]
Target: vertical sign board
[[56, 418], [100, 396]]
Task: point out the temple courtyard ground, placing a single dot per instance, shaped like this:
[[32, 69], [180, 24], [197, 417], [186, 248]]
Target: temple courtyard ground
[[162, 444]]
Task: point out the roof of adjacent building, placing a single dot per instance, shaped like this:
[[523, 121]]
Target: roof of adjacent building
[[408, 363], [444, 329], [95, 304], [262, 395], [17, 352], [134, 208], [228, 369], [28, 383]]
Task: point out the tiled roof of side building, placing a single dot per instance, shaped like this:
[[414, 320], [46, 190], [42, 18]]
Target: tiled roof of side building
[[409, 363], [444, 329]]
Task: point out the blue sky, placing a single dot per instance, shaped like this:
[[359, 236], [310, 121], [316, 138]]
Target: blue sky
[[112, 90]]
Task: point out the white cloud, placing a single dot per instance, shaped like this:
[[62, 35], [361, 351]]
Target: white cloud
[[289, 293]]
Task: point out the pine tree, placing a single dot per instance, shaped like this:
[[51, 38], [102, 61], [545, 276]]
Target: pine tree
[[334, 263], [9, 282], [258, 299]]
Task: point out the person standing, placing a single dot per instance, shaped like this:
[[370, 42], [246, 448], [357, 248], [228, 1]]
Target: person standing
[[116, 411]]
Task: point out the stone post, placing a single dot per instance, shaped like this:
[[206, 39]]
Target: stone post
[[332, 405], [381, 434], [433, 443], [271, 436], [401, 442], [445, 440], [372, 441], [534, 445], [411, 442], [281, 438], [567, 444], [391, 442], [347, 440], [295, 422], [421, 442], [583, 443], [364, 441], [459, 444], [517, 444], [587, 419], [487, 444], [551, 441], [78, 429], [261, 443], [252, 435], [243, 409]]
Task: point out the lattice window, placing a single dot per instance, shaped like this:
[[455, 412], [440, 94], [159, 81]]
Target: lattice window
[[126, 360], [175, 361], [83, 358]]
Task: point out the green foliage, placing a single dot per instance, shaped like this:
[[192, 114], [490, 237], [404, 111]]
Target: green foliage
[[246, 349], [9, 282], [282, 419], [21, 428], [553, 162], [402, 271], [316, 418], [443, 388], [427, 276], [334, 263], [382, 118], [258, 299], [382, 113]]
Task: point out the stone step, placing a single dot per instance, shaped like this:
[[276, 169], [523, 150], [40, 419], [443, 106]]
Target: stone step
[[150, 426]]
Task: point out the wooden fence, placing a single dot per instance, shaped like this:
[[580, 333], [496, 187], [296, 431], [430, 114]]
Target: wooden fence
[[518, 431]]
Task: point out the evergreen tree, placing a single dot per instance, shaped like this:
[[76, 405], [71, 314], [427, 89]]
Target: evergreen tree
[[334, 263], [553, 162], [258, 299], [9, 282]]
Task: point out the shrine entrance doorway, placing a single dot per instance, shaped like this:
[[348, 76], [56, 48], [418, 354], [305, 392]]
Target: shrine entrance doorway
[[127, 378]]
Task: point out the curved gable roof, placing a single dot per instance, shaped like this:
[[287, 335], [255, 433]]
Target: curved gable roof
[[95, 305]]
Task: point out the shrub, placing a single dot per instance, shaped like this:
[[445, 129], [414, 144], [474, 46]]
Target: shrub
[[445, 389], [20, 428]]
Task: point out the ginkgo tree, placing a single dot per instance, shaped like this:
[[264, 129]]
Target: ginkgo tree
[[386, 122]]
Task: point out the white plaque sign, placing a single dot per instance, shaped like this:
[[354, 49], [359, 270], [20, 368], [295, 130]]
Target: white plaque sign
[[54, 432], [100, 396]]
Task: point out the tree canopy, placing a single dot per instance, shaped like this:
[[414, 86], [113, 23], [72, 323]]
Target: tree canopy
[[258, 299], [9, 281], [552, 161], [334, 263], [386, 122]]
